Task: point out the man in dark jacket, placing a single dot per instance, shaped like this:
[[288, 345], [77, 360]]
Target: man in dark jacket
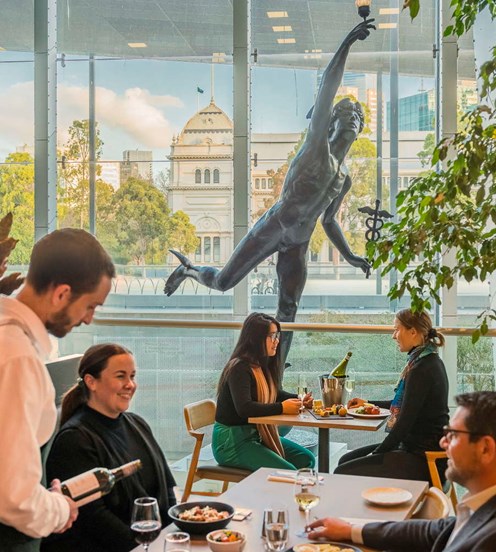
[[470, 442]]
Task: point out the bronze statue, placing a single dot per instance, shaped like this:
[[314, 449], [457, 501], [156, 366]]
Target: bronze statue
[[315, 184]]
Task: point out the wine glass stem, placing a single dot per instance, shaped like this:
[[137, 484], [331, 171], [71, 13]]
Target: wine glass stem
[[307, 519]]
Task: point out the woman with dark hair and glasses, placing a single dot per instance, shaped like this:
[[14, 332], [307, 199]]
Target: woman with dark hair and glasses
[[419, 409], [98, 431], [249, 386]]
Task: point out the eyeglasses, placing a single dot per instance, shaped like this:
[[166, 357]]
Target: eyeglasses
[[448, 432], [275, 336]]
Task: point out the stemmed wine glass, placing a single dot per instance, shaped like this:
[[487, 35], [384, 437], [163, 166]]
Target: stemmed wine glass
[[306, 493], [276, 528], [350, 382], [145, 521], [302, 390]]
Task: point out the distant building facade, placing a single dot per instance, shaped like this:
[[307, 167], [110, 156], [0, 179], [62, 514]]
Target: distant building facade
[[136, 164]]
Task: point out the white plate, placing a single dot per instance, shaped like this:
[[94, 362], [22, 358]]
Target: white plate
[[384, 413], [387, 496]]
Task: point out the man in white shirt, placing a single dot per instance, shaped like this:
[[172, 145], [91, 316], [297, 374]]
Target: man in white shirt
[[470, 443], [69, 275]]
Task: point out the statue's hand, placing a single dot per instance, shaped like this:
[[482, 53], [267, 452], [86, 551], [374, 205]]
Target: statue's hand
[[360, 262], [360, 32]]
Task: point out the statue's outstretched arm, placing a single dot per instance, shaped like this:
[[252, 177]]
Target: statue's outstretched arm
[[331, 81], [336, 235]]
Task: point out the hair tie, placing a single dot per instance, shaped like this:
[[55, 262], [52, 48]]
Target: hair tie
[[432, 333]]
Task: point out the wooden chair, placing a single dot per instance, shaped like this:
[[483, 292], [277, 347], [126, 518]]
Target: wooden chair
[[197, 416], [436, 505], [449, 490]]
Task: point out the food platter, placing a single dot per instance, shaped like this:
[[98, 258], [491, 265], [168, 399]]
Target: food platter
[[386, 496], [330, 416], [384, 413], [325, 547]]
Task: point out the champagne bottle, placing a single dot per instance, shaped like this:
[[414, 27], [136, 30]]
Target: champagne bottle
[[340, 370], [95, 483]]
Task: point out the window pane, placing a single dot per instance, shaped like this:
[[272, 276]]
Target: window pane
[[216, 249], [207, 251]]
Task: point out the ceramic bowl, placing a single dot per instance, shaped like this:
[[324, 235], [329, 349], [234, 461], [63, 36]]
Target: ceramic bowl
[[229, 546], [200, 527]]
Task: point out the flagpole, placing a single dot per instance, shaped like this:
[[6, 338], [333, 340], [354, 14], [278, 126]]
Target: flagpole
[[212, 81]]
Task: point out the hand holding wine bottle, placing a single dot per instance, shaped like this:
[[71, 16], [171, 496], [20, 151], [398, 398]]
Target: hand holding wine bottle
[[55, 487]]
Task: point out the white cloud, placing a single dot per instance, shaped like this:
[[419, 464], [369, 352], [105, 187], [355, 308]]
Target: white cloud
[[137, 116]]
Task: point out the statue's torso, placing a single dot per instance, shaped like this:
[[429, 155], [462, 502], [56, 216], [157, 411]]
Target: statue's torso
[[313, 181]]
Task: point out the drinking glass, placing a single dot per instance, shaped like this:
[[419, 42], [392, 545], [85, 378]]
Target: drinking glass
[[302, 390], [177, 541], [276, 528], [306, 493], [350, 381], [145, 521]]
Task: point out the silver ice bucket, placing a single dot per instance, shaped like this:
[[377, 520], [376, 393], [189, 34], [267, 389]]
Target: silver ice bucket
[[332, 390]]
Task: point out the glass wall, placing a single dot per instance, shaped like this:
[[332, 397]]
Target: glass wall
[[154, 82]]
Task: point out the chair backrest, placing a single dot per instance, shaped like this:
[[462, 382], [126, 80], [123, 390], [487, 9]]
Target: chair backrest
[[436, 505], [199, 414], [432, 458]]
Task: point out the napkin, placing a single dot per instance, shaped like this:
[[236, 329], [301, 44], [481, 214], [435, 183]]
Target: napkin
[[280, 478]]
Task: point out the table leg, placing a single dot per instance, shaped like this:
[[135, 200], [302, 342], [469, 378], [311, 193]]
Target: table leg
[[323, 449]]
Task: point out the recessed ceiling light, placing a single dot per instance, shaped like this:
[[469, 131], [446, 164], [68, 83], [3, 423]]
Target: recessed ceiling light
[[286, 40], [137, 45], [218, 57], [387, 25], [389, 11], [273, 14], [282, 28]]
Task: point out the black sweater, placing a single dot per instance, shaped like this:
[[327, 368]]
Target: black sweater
[[424, 410], [237, 399], [89, 440]]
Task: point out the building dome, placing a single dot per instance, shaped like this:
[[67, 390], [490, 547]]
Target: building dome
[[210, 125]]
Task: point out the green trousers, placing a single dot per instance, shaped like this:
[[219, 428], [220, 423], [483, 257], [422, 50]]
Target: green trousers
[[240, 447]]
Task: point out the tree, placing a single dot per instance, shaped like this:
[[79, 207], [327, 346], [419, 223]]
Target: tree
[[143, 227], [452, 208], [17, 196], [183, 234], [74, 188]]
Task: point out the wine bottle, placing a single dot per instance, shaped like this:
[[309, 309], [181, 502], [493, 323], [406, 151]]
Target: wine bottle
[[340, 370], [95, 483]]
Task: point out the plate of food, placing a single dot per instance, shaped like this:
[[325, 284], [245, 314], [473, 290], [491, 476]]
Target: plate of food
[[325, 547], [369, 410], [386, 496]]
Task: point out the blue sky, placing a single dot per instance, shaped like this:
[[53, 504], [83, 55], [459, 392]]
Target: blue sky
[[142, 103]]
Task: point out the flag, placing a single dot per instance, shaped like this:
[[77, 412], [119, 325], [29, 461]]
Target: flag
[[199, 90]]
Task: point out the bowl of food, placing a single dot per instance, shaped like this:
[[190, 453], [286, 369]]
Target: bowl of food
[[200, 518], [226, 541]]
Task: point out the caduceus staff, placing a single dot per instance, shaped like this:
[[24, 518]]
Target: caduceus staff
[[375, 222]]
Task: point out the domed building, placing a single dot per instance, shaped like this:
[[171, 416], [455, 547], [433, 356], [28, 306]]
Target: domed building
[[201, 180]]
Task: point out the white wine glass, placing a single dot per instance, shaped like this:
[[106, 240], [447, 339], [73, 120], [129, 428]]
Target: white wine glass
[[306, 493], [350, 382], [145, 521], [302, 390], [276, 528]]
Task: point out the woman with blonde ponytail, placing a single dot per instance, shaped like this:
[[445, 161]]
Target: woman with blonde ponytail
[[419, 409], [96, 430]]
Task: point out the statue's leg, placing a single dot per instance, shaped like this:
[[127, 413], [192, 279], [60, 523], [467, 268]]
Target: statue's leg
[[256, 246], [292, 275]]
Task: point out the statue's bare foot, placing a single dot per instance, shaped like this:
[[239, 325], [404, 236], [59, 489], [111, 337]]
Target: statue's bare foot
[[175, 280]]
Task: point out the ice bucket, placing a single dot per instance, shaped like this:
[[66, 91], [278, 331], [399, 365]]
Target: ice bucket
[[332, 389]]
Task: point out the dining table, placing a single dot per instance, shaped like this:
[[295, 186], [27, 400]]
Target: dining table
[[340, 496], [307, 419]]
